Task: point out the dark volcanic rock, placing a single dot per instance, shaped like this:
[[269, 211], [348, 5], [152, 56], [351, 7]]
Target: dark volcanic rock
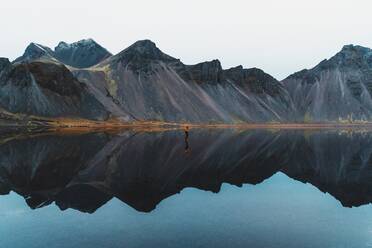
[[139, 57], [207, 72], [150, 85], [142, 83], [4, 63], [350, 57], [35, 52], [47, 89], [81, 54], [145, 50], [56, 78], [257, 80], [335, 89]]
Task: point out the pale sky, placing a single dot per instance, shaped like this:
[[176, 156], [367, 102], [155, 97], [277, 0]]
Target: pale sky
[[278, 36]]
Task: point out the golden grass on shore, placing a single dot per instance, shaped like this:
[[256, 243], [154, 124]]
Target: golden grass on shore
[[80, 125]]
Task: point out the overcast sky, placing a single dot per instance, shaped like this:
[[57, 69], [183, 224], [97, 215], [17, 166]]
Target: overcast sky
[[278, 36]]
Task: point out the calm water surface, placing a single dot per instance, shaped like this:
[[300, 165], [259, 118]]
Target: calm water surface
[[217, 188]]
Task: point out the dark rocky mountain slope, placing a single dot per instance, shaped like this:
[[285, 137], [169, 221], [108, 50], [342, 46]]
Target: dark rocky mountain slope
[[150, 85], [337, 89], [142, 83], [46, 89]]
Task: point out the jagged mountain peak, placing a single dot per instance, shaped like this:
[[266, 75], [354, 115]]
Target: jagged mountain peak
[[214, 63], [62, 44], [239, 67], [144, 44], [355, 48], [241, 74], [37, 47], [350, 56], [81, 54], [255, 79], [337, 89], [146, 49], [140, 53], [205, 72], [35, 51], [78, 44], [352, 52]]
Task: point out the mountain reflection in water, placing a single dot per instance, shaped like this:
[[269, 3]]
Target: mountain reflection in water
[[85, 171]]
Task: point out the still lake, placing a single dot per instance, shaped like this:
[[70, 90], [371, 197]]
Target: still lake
[[210, 188]]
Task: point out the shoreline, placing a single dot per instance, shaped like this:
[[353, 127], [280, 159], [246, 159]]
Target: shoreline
[[10, 132], [85, 125]]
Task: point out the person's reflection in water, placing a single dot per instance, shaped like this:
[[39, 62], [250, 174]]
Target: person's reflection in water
[[187, 149]]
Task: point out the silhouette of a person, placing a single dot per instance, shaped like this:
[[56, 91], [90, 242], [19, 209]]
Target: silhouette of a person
[[186, 139]]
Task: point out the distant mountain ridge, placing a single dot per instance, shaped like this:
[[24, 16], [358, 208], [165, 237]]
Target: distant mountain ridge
[[81, 54], [142, 83]]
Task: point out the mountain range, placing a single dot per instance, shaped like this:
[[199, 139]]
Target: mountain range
[[83, 80]]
